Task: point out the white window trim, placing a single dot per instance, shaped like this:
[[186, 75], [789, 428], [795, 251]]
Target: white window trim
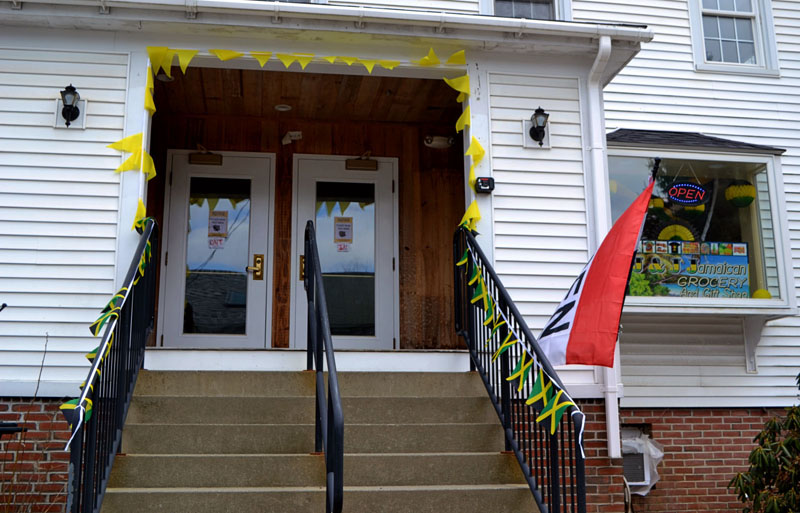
[[781, 306], [764, 36], [563, 9]]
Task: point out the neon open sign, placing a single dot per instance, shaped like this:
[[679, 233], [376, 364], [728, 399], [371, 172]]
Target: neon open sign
[[687, 193]]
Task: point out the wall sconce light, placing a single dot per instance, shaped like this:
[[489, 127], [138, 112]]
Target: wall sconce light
[[70, 98], [538, 125]]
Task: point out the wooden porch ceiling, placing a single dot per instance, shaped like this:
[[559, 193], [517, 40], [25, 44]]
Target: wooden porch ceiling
[[312, 96]]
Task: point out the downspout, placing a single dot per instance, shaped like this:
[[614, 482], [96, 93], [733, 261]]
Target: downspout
[[601, 207]]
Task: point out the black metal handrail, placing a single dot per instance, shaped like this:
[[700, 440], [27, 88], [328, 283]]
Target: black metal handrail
[[329, 431], [553, 464], [110, 382]]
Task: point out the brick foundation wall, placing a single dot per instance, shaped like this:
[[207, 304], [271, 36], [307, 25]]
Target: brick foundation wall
[[33, 465], [703, 449]]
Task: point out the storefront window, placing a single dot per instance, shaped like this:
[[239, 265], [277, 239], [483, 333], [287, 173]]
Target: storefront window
[[708, 231]]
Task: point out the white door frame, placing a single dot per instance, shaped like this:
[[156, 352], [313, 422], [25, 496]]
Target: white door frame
[[268, 268], [298, 235]]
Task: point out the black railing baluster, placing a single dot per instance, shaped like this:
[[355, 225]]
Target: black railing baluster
[[329, 427], [553, 463]]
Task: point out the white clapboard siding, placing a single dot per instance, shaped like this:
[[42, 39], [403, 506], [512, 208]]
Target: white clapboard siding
[[660, 90], [59, 200], [539, 199], [457, 6]]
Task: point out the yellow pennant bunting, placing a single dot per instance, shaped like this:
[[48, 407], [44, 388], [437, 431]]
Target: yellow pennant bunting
[[348, 60], [150, 87], [157, 55], [331, 58], [261, 57], [463, 120], [184, 58], [141, 213], [521, 371], [476, 151], [130, 144], [304, 59], [430, 60], [389, 64], [489, 312], [472, 178], [148, 166], [329, 206], [226, 55], [343, 205], [286, 58], [460, 84], [554, 410], [368, 63], [542, 390], [464, 259], [166, 64], [457, 59], [476, 274], [212, 203], [131, 163], [461, 97], [471, 216], [149, 104]]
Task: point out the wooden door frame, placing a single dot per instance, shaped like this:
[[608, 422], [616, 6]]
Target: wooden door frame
[[295, 237], [268, 271]]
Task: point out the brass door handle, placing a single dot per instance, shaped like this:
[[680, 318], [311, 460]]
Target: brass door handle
[[302, 267], [257, 268]]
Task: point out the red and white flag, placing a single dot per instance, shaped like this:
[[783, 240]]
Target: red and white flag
[[584, 328]]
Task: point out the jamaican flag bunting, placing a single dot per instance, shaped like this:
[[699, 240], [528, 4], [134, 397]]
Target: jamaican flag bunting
[[542, 391], [106, 314], [522, 370], [464, 258], [509, 341], [555, 409], [71, 411]]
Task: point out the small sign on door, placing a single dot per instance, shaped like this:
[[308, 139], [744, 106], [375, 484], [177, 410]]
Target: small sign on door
[[217, 229], [343, 230]]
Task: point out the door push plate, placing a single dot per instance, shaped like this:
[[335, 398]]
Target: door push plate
[[258, 267]]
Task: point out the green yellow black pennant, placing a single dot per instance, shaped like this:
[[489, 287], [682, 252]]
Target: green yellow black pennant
[[521, 371], [498, 321], [554, 410], [464, 258], [476, 274], [97, 325], [542, 392], [489, 313], [508, 342]]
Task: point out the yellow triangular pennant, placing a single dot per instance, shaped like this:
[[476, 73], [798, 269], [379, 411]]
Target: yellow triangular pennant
[[430, 60], [130, 144], [212, 203], [343, 206], [461, 97], [389, 64], [134, 162], [261, 57], [330, 58], [185, 57], [149, 104], [463, 120], [460, 84], [166, 64], [476, 151], [141, 212], [150, 86], [148, 166], [156, 55], [472, 178], [286, 59], [329, 206], [348, 60], [368, 63], [457, 59], [471, 216], [304, 59], [226, 55]]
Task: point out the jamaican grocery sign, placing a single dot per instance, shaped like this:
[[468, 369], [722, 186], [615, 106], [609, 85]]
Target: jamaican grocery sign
[[687, 193], [691, 269]]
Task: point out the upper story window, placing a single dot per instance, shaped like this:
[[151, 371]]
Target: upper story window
[[531, 9], [734, 36]]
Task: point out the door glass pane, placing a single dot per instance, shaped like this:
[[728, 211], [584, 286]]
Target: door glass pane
[[345, 223], [217, 252]]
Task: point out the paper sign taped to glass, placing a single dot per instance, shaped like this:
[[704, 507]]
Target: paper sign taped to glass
[[343, 230], [217, 229], [691, 269]]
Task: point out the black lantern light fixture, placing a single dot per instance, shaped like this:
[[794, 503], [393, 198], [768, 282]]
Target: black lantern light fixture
[[538, 125], [70, 98]]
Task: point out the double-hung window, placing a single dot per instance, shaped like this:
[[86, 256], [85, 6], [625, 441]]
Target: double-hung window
[[733, 36], [530, 9]]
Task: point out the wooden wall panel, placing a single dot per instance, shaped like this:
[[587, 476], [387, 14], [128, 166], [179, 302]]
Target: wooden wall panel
[[430, 204]]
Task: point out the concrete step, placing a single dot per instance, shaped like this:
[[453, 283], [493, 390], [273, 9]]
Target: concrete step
[[298, 410], [257, 470], [501, 498], [276, 384], [214, 438]]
